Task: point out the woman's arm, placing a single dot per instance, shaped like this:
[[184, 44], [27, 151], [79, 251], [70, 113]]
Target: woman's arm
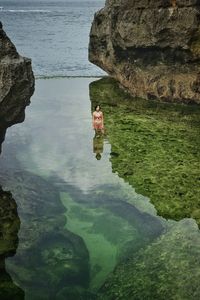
[[102, 121], [93, 120]]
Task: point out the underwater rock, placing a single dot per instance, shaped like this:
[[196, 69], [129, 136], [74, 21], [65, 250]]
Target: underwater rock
[[16, 81], [166, 269], [149, 227], [151, 47]]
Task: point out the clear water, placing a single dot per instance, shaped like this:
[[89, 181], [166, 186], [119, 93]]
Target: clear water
[[79, 219], [122, 227], [54, 34]]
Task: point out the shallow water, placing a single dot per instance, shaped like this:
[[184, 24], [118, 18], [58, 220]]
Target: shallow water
[[81, 218]]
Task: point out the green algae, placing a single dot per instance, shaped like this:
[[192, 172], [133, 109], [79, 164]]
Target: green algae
[[156, 148], [195, 44], [110, 226], [169, 268]]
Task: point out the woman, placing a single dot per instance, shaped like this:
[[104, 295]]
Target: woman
[[173, 3], [97, 119]]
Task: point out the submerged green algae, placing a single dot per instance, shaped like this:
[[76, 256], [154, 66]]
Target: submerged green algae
[[155, 148], [110, 228], [169, 268]]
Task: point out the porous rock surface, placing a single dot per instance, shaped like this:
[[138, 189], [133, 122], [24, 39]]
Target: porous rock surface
[[152, 47], [16, 81]]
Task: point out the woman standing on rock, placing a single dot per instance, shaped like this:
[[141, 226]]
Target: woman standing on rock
[[98, 120]]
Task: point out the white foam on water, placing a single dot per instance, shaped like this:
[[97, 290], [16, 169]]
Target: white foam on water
[[25, 10]]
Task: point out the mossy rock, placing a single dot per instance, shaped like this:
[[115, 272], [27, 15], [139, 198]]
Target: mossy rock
[[169, 268], [156, 148]]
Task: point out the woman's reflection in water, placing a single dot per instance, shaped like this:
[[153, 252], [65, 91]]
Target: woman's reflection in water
[[98, 125], [98, 141]]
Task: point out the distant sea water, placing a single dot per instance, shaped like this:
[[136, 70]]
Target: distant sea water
[[54, 34]]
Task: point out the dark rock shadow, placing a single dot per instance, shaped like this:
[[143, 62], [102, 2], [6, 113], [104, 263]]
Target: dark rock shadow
[[9, 227]]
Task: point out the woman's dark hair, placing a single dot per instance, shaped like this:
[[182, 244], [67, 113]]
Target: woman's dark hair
[[97, 106], [98, 156]]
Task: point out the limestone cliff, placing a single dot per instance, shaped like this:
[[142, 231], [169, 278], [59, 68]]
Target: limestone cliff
[[16, 81], [152, 47]]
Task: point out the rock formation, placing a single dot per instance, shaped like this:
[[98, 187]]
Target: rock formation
[[141, 130], [16, 81], [152, 47], [9, 227], [166, 269]]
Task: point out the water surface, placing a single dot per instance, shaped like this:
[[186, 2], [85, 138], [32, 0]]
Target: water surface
[[42, 29], [81, 217]]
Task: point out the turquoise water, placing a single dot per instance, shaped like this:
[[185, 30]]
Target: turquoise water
[[79, 219]]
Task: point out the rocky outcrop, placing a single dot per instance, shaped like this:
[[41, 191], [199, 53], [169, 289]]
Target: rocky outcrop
[[152, 47], [166, 269], [16, 81], [140, 131], [9, 224], [9, 227]]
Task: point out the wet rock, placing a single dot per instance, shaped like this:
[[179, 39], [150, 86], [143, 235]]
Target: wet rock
[[75, 294], [9, 227], [16, 81], [2, 135], [9, 224], [151, 47]]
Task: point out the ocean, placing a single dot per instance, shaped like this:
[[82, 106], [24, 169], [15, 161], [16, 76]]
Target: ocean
[[54, 34]]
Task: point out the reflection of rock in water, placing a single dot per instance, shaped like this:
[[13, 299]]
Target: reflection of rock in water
[[54, 259], [9, 226], [49, 256]]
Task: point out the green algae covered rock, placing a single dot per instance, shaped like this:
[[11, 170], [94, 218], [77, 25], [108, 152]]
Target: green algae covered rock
[[169, 268], [9, 227], [155, 148], [111, 228]]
